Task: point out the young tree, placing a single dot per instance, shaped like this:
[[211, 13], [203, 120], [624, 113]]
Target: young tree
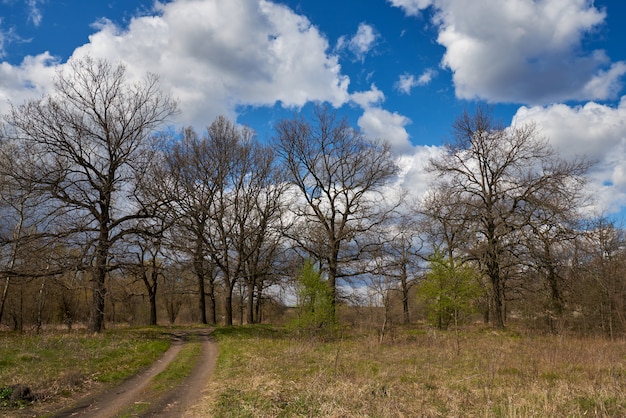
[[315, 301], [599, 285], [449, 290], [340, 177], [499, 180], [91, 137]]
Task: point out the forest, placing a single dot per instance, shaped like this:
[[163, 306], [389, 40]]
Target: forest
[[111, 216]]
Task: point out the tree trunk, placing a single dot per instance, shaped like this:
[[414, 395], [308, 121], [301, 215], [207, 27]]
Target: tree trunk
[[40, 305], [258, 302], [5, 292], [99, 291], [494, 274], [199, 268], [498, 303], [332, 279], [405, 296], [152, 297], [228, 306], [250, 302], [212, 306]]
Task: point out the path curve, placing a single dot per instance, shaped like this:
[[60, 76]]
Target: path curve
[[172, 403]]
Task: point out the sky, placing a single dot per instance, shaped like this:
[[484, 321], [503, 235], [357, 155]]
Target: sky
[[399, 70]]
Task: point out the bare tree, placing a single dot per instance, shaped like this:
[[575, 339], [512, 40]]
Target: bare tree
[[24, 231], [340, 177], [188, 181], [245, 210], [91, 138], [226, 194], [599, 287], [263, 242], [500, 180], [145, 261]]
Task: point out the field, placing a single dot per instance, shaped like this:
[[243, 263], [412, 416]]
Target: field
[[266, 371], [480, 373]]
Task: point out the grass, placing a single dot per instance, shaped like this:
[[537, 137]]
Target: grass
[[59, 365], [263, 372]]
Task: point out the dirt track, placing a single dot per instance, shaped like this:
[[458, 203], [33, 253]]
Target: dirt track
[[172, 403]]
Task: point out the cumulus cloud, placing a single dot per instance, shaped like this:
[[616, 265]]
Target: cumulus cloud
[[522, 51], [217, 55], [368, 98], [413, 176], [377, 122], [31, 79], [361, 43], [594, 130]]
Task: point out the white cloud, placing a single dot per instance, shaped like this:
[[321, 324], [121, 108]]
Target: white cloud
[[368, 98], [413, 176], [361, 43], [380, 123], [411, 7], [522, 51], [34, 13], [406, 82], [595, 131], [426, 77], [31, 79], [216, 55]]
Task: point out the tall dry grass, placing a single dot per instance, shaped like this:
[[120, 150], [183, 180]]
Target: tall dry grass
[[263, 372]]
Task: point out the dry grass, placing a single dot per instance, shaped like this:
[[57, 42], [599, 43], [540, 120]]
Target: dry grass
[[263, 372]]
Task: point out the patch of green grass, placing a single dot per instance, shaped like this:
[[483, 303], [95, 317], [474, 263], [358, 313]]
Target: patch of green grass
[[56, 365], [179, 369]]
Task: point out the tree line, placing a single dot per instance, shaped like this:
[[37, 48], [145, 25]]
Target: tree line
[[102, 201]]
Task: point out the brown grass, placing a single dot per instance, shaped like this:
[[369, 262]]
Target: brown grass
[[263, 372]]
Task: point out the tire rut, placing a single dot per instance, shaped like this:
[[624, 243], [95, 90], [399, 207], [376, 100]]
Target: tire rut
[[172, 403]]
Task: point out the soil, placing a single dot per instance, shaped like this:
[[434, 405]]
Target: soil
[[172, 403]]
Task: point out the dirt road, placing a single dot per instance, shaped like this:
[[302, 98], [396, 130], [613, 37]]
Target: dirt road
[[172, 403]]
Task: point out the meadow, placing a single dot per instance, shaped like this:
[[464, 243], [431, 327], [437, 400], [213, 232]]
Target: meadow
[[264, 372], [268, 371]]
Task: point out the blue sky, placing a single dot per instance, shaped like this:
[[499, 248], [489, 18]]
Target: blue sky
[[401, 70]]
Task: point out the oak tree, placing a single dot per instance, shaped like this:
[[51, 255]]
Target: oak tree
[[340, 177], [502, 181], [92, 136]]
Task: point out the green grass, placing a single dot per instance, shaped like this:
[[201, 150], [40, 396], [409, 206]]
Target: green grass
[[263, 372], [180, 368], [57, 365]]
